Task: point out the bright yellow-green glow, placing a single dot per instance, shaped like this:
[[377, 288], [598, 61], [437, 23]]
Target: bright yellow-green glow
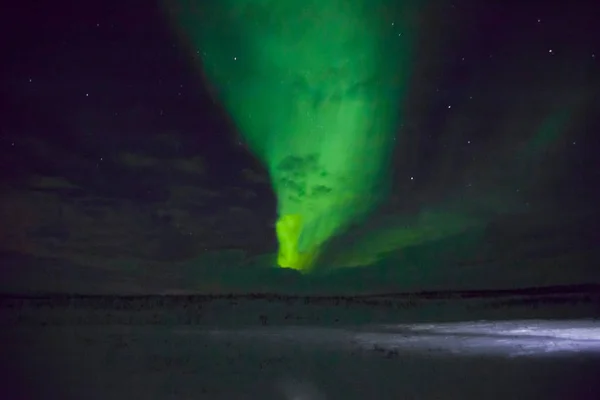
[[289, 228]]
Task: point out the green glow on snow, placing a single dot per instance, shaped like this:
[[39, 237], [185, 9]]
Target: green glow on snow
[[316, 88]]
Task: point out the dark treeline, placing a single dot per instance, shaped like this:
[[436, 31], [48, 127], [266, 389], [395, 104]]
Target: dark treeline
[[174, 299]]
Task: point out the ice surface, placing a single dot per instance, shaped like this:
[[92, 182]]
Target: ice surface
[[477, 359], [423, 346]]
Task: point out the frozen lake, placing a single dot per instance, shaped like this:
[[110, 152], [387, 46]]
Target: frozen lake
[[523, 359], [525, 344]]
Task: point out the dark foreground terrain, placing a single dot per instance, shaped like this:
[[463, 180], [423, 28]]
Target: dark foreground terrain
[[531, 343]]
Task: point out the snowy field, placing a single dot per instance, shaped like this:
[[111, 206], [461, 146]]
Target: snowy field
[[302, 348]]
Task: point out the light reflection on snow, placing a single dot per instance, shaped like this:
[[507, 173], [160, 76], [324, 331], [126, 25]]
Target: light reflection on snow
[[501, 338], [510, 338]]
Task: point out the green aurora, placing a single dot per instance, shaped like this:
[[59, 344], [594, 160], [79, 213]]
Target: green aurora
[[324, 94], [312, 88]]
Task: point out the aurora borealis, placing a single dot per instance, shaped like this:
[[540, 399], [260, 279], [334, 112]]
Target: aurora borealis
[[318, 90], [313, 90], [382, 145]]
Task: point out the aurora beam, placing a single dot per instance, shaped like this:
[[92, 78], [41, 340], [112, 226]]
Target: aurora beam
[[316, 89]]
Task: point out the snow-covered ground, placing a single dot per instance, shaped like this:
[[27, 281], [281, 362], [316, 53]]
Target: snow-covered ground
[[372, 349]]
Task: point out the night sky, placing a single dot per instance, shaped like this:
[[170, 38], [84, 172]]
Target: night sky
[[122, 172]]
